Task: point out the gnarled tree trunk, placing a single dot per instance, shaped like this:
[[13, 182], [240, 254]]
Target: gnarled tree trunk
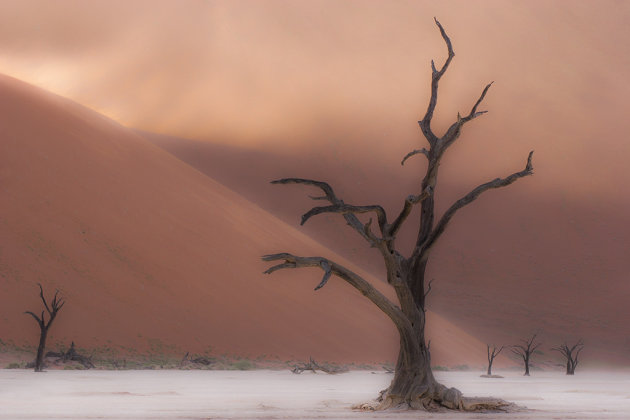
[[413, 384]]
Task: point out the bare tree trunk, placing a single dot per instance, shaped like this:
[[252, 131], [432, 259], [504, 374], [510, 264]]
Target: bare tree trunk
[[41, 349], [414, 385], [526, 367]]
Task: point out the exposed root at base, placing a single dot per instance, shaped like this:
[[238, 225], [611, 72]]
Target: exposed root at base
[[446, 399]]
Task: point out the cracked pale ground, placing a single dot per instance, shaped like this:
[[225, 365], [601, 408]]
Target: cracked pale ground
[[281, 394]]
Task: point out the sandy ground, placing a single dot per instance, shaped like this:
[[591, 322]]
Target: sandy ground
[[281, 394]]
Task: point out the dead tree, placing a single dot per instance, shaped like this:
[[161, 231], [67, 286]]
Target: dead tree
[[313, 366], [55, 306], [571, 354], [201, 360], [414, 384], [72, 355], [491, 355], [525, 351]]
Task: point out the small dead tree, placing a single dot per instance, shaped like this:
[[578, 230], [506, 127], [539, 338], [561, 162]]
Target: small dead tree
[[72, 355], [491, 355], [525, 351], [571, 354], [313, 366], [52, 309], [414, 384]]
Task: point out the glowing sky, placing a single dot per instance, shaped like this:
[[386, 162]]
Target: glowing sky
[[293, 74]]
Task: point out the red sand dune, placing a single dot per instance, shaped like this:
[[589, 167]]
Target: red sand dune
[[153, 255], [519, 260]]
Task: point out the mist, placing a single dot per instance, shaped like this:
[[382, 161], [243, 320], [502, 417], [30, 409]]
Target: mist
[[347, 79]]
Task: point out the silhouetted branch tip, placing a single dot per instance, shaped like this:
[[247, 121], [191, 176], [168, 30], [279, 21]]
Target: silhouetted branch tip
[[529, 167]]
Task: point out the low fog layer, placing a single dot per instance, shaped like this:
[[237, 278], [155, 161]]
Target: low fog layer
[[281, 394]]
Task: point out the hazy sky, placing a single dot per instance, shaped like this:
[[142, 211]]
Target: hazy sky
[[345, 74]]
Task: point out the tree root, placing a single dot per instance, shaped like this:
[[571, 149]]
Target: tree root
[[441, 399]]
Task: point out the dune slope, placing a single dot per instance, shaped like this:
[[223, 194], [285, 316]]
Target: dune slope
[[152, 255], [520, 260]]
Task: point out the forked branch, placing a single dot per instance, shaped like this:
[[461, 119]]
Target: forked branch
[[39, 320], [455, 129], [526, 349], [410, 201], [338, 206], [353, 279], [348, 209], [55, 306], [436, 75], [472, 196]]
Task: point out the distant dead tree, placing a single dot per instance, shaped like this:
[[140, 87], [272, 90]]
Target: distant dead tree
[[55, 306], [414, 384], [525, 351], [571, 354], [199, 360], [491, 355], [72, 355], [313, 366]]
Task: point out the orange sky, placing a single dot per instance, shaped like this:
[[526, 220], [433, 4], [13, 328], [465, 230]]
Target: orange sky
[[347, 75]]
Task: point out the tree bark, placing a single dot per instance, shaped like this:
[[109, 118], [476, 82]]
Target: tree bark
[[41, 348], [414, 384]]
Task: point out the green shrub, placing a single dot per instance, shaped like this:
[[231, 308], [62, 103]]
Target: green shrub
[[14, 366], [243, 364]]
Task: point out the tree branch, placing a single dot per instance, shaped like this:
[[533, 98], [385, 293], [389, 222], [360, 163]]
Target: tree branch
[[495, 353], [338, 206], [330, 268], [472, 196], [415, 152], [327, 273], [519, 351], [407, 207], [327, 189], [347, 208], [41, 295], [425, 123], [40, 321], [454, 130]]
